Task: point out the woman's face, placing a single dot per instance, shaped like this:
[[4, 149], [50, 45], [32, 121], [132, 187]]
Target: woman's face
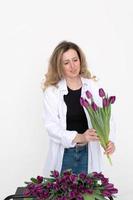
[[71, 64]]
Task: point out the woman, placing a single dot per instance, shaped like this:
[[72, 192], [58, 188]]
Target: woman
[[74, 144]]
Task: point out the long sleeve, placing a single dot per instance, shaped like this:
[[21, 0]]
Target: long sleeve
[[51, 118]]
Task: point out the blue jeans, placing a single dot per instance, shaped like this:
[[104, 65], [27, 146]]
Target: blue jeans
[[76, 158]]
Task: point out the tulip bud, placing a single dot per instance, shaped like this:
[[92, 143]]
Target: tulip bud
[[106, 193], [88, 94], [109, 186], [39, 179], [55, 173], [81, 101], [94, 106], [105, 102], [27, 192], [84, 102], [101, 92], [112, 99]]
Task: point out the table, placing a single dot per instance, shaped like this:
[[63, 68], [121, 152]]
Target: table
[[18, 195]]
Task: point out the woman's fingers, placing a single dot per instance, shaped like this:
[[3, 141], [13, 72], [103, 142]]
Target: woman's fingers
[[91, 135], [110, 148], [92, 132], [94, 138]]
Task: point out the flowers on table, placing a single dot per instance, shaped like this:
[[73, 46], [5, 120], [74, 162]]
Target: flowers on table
[[100, 116], [70, 186]]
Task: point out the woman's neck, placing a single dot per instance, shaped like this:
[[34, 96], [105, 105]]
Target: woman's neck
[[74, 83]]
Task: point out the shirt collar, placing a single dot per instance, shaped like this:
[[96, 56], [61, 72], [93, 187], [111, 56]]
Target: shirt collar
[[62, 85]]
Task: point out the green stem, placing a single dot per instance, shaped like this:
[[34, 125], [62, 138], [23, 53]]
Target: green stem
[[109, 158]]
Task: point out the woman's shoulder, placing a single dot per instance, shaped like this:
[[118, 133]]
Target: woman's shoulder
[[50, 91]]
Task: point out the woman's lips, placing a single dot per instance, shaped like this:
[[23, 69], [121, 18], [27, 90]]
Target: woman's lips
[[73, 72]]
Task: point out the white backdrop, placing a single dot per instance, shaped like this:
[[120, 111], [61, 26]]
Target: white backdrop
[[29, 30]]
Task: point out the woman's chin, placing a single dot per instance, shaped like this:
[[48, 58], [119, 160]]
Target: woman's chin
[[73, 75]]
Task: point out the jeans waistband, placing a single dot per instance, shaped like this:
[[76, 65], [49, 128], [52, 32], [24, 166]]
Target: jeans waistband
[[81, 144], [78, 146]]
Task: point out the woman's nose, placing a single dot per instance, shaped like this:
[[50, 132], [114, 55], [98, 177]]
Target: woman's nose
[[72, 64]]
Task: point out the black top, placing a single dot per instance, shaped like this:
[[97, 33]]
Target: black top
[[76, 118]]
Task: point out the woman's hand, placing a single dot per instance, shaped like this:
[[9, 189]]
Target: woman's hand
[[110, 148], [87, 136], [90, 135]]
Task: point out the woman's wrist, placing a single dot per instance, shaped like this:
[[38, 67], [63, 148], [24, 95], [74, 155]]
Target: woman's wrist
[[79, 138]]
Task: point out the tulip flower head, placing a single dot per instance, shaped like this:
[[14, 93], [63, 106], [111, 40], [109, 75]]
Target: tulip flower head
[[84, 102], [101, 92], [105, 102], [88, 94], [94, 106], [112, 99]]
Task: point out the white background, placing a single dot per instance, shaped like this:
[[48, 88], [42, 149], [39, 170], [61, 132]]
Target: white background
[[29, 31]]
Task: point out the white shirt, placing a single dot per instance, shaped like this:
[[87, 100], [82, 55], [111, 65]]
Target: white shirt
[[54, 117]]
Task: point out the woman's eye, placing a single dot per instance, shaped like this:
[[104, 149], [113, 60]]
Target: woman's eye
[[65, 63]]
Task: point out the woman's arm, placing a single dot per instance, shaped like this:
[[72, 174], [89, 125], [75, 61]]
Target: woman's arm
[[52, 122]]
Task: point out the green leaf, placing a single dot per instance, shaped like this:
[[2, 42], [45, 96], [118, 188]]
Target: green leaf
[[89, 197], [27, 182], [28, 199], [51, 180], [34, 180], [99, 197]]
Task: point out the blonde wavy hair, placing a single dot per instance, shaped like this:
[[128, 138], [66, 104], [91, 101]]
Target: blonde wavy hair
[[55, 69]]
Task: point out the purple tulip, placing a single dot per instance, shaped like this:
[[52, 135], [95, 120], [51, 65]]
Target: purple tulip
[[95, 174], [31, 186], [72, 194], [89, 191], [46, 194], [104, 181], [89, 181], [49, 185], [113, 191], [27, 192], [112, 99], [105, 102], [82, 175], [56, 187], [38, 187], [88, 94], [62, 198], [101, 92], [94, 106], [67, 173], [73, 177], [39, 179], [64, 187], [109, 186], [106, 193], [84, 102], [55, 174]]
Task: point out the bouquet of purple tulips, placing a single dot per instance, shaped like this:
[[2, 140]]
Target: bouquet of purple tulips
[[100, 116], [70, 186]]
